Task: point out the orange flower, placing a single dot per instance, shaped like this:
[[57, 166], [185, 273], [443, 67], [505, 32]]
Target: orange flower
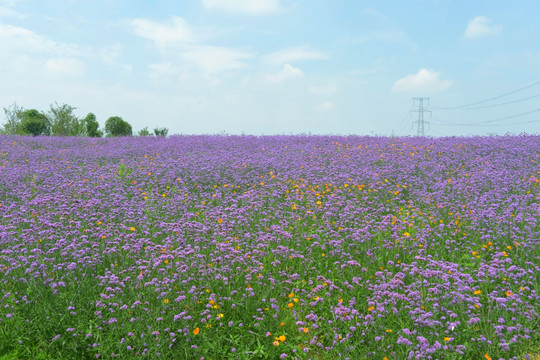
[[196, 331], [290, 305], [477, 292], [487, 356], [282, 338]]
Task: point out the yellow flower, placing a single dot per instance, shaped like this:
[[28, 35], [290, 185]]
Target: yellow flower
[[406, 234], [282, 338], [477, 292], [295, 299], [275, 343], [132, 228], [282, 324], [446, 339], [389, 330], [166, 301], [220, 316]]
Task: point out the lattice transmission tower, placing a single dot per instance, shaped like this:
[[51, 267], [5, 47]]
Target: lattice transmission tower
[[421, 121]]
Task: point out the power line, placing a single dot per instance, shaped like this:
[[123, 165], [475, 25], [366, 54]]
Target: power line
[[490, 99], [491, 106]]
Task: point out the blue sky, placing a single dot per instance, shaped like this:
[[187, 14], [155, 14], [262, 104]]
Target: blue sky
[[278, 66]]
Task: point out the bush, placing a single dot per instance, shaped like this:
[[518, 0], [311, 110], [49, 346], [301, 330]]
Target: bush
[[63, 121], [34, 123], [91, 126], [144, 132], [116, 126], [161, 131]]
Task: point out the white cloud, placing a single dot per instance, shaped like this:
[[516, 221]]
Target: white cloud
[[162, 70], [110, 53], [17, 39], [180, 48], [176, 31], [214, 59], [480, 26], [293, 54], [65, 66], [327, 106], [7, 12], [425, 80], [252, 7], [287, 72], [324, 90]]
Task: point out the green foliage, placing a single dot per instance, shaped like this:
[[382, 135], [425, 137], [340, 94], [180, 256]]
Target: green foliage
[[13, 115], [161, 131], [144, 132], [91, 126], [63, 121], [34, 123], [116, 126]]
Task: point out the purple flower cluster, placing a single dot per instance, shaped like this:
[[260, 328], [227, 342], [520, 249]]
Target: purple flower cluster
[[352, 246]]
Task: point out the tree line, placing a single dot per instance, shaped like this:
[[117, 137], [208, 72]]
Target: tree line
[[61, 121]]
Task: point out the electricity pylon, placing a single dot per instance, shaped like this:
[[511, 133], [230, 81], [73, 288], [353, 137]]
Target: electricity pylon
[[421, 110]]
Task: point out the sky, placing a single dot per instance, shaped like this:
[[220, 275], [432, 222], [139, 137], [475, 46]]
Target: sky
[[267, 67]]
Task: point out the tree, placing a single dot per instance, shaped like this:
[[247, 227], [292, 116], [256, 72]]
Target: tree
[[34, 123], [144, 132], [63, 121], [161, 132], [116, 126], [91, 126], [14, 117]]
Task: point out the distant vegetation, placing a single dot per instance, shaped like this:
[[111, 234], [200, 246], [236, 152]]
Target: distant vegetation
[[61, 121]]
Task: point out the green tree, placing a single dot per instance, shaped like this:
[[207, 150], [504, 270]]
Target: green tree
[[91, 126], [34, 123], [161, 131], [13, 115], [116, 126], [144, 132], [63, 121]]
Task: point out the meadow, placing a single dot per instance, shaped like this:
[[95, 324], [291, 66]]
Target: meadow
[[273, 247]]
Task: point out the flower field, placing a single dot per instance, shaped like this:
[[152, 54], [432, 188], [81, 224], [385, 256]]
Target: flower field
[[277, 247]]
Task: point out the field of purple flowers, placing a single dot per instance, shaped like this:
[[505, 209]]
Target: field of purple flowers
[[278, 247]]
